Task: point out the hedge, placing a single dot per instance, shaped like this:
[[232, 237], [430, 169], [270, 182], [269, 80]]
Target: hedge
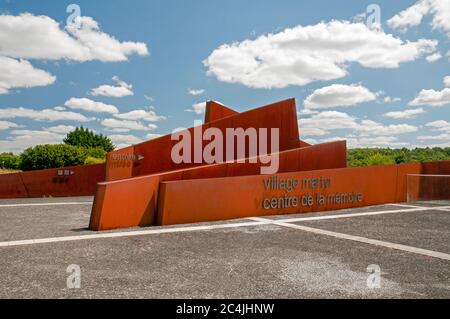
[[53, 156]]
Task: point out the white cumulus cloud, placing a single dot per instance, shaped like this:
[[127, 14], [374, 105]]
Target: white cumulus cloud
[[305, 54], [322, 123], [447, 81], [121, 89], [31, 36], [442, 128], [338, 95], [126, 125], [22, 139], [60, 129], [369, 127], [124, 140], [389, 99], [5, 125], [406, 114], [90, 106], [49, 115], [149, 116], [21, 74], [196, 91], [441, 125], [432, 98], [413, 15], [434, 57], [376, 141], [197, 108]]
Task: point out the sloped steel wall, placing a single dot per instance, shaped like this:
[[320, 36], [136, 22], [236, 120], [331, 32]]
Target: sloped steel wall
[[156, 154], [133, 202]]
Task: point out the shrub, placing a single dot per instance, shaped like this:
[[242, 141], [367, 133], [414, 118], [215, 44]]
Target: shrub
[[361, 156], [86, 138], [93, 160], [52, 156], [402, 158], [96, 152], [380, 159], [9, 161]]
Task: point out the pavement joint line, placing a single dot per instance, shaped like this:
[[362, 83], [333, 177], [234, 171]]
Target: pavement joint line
[[375, 242], [129, 234], [45, 204], [404, 205], [441, 208], [349, 215]]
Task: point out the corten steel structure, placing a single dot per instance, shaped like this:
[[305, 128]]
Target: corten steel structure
[[130, 196], [199, 200], [141, 186], [55, 182], [159, 192], [156, 154], [433, 183], [134, 201]]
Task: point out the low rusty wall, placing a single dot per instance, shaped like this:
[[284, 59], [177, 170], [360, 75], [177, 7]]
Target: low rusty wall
[[204, 200], [428, 188], [324, 190], [58, 182]]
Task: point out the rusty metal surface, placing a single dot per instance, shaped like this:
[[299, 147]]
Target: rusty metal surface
[[227, 198], [428, 188], [133, 202], [57, 182], [216, 111], [156, 154]]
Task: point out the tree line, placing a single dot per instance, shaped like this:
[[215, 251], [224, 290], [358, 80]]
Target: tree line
[[385, 156], [79, 147]]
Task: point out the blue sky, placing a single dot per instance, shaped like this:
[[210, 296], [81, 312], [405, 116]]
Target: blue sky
[[357, 82]]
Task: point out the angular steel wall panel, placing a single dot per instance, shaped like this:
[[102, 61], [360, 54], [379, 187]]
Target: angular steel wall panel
[[157, 152], [139, 211], [215, 111], [130, 202]]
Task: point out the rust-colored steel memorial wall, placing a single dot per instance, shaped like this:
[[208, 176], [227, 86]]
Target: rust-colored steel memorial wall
[[142, 186], [56, 182], [154, 156], [310, 178], [432, 184], [287, 193], [134, 201]]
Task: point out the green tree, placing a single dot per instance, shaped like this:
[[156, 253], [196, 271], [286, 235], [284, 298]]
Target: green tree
[[96, 152], [380, 159], [86, 138], [367, 156], [94, 160], [9, 160], [402, 156], [52, 156]]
